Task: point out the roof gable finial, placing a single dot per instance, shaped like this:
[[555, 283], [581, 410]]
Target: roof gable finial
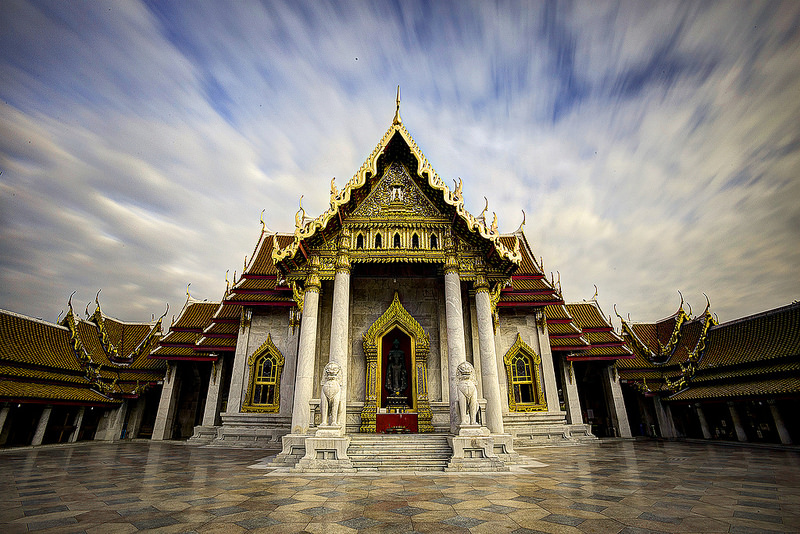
[[397, 119]]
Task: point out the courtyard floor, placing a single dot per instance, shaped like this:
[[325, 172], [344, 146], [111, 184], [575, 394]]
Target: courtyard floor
[[610, 486]]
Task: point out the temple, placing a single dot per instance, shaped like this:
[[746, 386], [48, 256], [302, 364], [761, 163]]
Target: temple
[[398, 330]]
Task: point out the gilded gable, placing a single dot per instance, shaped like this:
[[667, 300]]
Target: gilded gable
[[396, 196]]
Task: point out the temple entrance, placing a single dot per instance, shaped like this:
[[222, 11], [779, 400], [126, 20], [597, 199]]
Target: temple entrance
[[397, 411], [396, 348]]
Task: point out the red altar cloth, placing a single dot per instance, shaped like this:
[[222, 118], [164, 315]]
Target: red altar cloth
[[386, 421]]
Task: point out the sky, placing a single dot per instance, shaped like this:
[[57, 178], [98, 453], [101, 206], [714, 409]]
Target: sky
[[654, 146]]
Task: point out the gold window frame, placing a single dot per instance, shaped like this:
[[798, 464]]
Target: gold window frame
[[266, 350], [522, 349]]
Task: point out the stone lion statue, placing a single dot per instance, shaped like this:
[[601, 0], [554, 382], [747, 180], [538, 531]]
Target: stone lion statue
[[331, 393], [467, 394]]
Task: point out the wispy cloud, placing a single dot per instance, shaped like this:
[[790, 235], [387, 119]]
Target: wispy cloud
[[653, 148]]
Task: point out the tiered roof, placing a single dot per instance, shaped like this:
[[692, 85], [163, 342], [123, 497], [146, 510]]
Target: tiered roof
[[750, 357], [76, 362], [604, 343], [185, 335]]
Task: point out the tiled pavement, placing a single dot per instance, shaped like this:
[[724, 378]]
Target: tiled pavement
[[613, 486]]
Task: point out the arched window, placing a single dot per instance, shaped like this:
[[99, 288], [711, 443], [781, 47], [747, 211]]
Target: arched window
[[360, 241], [378, 243], [263, 392], [396, 240], [523, 370], [434, 241], [415, 241]]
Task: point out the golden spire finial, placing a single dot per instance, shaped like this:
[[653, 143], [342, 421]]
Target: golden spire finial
[[397, 119]]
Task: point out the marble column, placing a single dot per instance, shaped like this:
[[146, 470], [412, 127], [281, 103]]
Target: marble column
[[616, 402], [741, 435], [135, 419], [340, 322], [548, 367], [113, 421], [77, 423], [701, 417], [4, 416], [664, 420], [237, 387], [165, 417], [213, 397], [572, 399], [491, 384], [456, 349], [303, 388], [783, 433], [42, 426]]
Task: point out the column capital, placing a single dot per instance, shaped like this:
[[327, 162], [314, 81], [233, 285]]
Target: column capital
[[481, 283], [451, 264], [313, 282]]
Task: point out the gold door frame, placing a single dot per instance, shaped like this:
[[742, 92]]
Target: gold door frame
[[397, 316]]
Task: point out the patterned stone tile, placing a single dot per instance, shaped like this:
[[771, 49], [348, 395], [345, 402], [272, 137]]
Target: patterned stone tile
[[463, 522]]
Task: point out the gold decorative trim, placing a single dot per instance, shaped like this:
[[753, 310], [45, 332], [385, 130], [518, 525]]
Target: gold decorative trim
[[306, 229], [396, 316], [540, 403], [266, 349]]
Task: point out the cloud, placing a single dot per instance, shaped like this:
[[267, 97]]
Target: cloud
[[653, 149]]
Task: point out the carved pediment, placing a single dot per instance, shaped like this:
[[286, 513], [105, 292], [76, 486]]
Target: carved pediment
[[395, 197]]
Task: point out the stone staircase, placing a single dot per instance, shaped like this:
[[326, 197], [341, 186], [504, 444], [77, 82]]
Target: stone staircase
[[400, 452]]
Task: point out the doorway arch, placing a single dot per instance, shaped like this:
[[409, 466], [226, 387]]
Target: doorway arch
[[396, 318]]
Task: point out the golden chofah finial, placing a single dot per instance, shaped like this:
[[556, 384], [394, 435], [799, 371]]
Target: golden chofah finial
[[680, 307], [188, 296], [97, 297], [86, 311], [457, 189], [708, 304], [334, 191], [482, 215], [522, 224], [300, 215], [493, 229], [397, 119], [594, 297], [263, 224]]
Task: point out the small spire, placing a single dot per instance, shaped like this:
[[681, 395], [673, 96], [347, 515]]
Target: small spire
[[397, 119]]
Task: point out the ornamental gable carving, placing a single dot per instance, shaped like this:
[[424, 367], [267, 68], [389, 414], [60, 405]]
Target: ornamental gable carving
[[395, 196]]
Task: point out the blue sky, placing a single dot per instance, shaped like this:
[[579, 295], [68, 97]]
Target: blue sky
[[654, 147]]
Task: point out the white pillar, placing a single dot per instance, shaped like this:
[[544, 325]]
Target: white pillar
[[4, 416], [213, 398], [616, 402], [783, 433], [456, 349], [340, 325], [701, 417], [306, 354], [548, 367], [238, 385], [162, 429], [741, 435], [491, 385], [135, 418], [42, 426], [114, 421], [77, 423], [664, 419], [572, 400]]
